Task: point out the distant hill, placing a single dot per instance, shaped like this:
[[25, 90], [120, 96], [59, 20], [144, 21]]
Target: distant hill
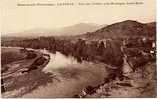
[[76, 29], [123, 29]]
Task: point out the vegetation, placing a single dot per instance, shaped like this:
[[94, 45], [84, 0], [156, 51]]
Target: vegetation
[[9, 55]]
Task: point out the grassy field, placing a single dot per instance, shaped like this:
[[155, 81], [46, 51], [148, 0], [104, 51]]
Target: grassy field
[[9, 55]]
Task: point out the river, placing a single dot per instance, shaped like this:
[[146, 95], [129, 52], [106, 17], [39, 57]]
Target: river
[[69, 77]]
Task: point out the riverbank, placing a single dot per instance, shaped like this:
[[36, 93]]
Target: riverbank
[[17, 73]]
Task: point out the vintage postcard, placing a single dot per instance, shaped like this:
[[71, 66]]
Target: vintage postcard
[[78, 49]]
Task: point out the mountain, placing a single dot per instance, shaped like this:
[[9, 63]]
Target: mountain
[[124, 29], [72, 30]]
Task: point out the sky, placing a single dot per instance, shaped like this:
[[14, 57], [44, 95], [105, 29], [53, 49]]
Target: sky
[[19, 18]]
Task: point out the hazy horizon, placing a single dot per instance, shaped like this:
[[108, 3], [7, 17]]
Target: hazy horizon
[[17, 19], [56, 28]]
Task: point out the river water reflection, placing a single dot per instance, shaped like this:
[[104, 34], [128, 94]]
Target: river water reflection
[[58, 60]]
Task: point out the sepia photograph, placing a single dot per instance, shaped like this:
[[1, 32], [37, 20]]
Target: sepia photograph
[[78, 49]]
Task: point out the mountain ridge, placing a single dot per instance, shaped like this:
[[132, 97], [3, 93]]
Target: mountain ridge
[[125, 28]]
